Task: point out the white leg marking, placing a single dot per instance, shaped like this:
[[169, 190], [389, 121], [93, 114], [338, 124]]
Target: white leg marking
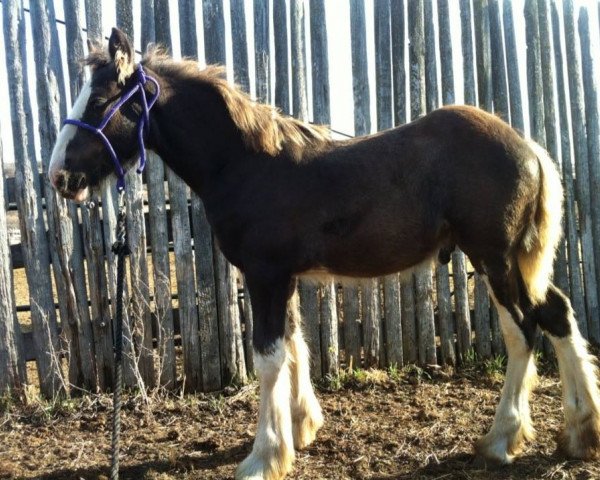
[[307, 417], [581, 398], [272, 455], [512, 422], [67, 132]]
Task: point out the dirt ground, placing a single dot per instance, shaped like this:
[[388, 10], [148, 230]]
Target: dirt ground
[[381, 425]]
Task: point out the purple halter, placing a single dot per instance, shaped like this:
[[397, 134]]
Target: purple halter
[[143, 123]]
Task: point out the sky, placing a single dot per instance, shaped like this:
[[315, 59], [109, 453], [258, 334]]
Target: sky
[[338, 27]]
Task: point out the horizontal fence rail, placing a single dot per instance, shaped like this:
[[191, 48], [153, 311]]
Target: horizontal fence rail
[[189, 321]]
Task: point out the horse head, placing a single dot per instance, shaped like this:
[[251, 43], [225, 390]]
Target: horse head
[[105, 127]]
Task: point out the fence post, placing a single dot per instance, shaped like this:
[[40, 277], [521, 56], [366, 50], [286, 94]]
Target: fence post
[[590, 90], [571, 231], [582, 171], [180, 222], [392, 331], [441, 272], [461, 301], [262, 50], [67, 259], [233, 364], [33, 235], [159, 238], [548, 68], [282, 71], [321, 114], [514, 84], [13, 375], [482, 322], [139, 320], [242, 78]]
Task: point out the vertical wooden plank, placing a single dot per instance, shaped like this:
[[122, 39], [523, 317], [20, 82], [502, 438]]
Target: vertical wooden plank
[[459, 264], [446, 55], [208, 328], [158, 232], [482, 323], [73, 310], [233, 364], [390, 322], [407, 301], [502, 109], [261, 50], [499, 81], [423, 277], [398, 30], [240, 46], [93, 20], [104, 363], [242, 78], [282, 67], [590, 90], [514, 84], [468, 49], [300, 110], [362, 126], [535, 92], [575, 273], [550, 121], [329, 330], [582, 184], [180, 223], [431, 85], [392, 290], [442, 274], [321, 114], [446, 319], [13, 375], [33, 237], [140, 320]]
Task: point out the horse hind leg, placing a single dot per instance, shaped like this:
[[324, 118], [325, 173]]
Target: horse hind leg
[[580, 437], [512, 425], [307, 417]]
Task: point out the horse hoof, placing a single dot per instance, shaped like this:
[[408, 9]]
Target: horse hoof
[[305, 426], [256, 467], [491, 453], [581, 442]]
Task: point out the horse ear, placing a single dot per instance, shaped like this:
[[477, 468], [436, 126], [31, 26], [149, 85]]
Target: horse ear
[[121, 53]]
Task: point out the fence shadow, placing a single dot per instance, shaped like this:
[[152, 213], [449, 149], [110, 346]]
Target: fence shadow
[[465, 466], [206, 461]]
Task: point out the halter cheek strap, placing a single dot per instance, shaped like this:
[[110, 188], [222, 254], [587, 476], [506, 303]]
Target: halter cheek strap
[[144, 121]]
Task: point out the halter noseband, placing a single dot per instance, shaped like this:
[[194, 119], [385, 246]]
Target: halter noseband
[[144, 121]]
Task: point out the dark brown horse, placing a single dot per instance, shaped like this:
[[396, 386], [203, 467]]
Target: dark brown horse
[[285, 201]]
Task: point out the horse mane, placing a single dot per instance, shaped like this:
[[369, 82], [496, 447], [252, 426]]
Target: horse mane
[[264, 128]]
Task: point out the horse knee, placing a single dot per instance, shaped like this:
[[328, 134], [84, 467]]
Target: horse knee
[[554, 315]]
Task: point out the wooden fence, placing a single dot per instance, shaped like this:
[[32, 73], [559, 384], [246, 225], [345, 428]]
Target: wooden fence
[[188, 318]]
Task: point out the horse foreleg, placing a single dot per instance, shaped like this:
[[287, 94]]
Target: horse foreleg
[[272, 454], [307, 417]]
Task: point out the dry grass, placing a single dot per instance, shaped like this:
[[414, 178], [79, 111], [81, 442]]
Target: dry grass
[[400, 424]]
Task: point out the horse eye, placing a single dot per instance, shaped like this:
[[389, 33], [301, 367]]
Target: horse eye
[[99, 102]]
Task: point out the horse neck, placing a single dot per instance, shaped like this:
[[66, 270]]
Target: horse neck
[[192, 132]]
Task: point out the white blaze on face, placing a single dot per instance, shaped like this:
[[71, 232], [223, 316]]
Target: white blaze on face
[[66, 134]]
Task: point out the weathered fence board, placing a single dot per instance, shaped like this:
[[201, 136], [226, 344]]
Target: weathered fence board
[[571, 232], [590, 91], [33, 238], [582, 171], [382, 323], [13, 375]]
